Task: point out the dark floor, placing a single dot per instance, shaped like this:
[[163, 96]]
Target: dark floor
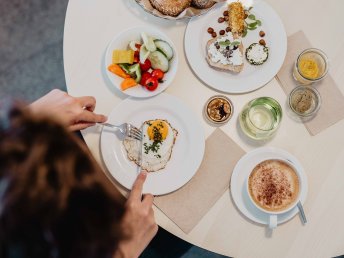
[[31, 64], [166, 245], [31, 60]]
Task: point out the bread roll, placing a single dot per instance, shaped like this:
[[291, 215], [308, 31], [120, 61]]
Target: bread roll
[[170, 7], [202, 4]]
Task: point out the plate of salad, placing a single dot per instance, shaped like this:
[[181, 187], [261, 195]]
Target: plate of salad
[[141, 62]]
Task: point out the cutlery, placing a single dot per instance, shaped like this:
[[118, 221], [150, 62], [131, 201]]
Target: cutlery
[[126, 129], [141, 156], [302, 213]]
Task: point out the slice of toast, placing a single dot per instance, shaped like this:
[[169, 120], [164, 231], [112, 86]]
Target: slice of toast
[[236, 17], [227, 67]]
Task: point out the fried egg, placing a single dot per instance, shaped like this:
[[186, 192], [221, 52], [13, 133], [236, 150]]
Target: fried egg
[[156, 147]]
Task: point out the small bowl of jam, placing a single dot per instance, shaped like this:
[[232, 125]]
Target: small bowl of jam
[[218, 109]]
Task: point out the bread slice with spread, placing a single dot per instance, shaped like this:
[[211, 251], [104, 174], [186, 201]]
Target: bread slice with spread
[[226, 53]]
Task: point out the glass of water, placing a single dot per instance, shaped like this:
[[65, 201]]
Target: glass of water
[[260, 118]]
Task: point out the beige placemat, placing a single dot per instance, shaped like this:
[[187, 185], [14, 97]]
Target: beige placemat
[[332, 107], [186, 206]]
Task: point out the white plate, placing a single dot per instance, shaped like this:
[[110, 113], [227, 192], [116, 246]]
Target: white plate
[[121, 41], [252, 77], [242, 170], [187, 153]]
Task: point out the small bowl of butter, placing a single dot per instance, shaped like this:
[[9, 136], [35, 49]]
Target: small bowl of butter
[[304, 101]]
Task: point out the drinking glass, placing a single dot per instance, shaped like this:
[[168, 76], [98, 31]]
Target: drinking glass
[[260, 118], [310, 66]]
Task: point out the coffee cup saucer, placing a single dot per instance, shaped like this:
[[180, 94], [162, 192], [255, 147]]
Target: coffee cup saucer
[[241, 172]]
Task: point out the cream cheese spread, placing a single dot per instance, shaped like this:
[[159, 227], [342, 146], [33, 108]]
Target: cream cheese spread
[[224, 52], [257, 54]]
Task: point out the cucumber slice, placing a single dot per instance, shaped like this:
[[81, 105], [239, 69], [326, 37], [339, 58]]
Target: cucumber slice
[[159, 61], [125, 68], [135, 72], [148, 42], [144, 53], [164, 47], [133, 43]]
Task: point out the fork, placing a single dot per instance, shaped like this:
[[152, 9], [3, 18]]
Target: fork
[[126, 129]]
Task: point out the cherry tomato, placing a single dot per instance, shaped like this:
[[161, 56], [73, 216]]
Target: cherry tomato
[[151, 83], [145, 66], [157, 73], [144, 77], [136, 56]]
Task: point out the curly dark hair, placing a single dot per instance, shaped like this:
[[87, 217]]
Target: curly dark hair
[[54, 199]]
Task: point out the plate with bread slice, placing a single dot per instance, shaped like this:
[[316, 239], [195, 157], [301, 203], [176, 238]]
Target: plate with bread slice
[[235, 47]]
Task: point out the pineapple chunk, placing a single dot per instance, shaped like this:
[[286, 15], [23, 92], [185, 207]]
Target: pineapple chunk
[[122, 56]]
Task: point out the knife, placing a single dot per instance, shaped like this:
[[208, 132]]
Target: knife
[[140, 154]]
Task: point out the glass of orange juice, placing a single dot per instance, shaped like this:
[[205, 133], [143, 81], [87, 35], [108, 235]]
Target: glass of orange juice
[[310, 66]]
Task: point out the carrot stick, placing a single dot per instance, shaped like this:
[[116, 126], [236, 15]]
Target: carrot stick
[[128, 83], [116, 69]]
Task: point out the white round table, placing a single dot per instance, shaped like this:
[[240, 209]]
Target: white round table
[[89, 27]]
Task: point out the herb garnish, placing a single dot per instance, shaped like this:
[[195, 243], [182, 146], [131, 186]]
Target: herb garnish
[[157, 139], [154, 147], [228, 43], [252, 22]]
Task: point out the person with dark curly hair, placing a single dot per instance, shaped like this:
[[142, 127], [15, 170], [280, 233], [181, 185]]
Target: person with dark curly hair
[[55, 201]]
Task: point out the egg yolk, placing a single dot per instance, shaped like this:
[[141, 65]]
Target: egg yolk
[[157, 130]]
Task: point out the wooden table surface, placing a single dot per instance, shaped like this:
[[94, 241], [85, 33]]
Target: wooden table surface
[[89, 27]]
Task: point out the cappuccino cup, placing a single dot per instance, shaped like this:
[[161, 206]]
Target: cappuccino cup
[[274, 187]]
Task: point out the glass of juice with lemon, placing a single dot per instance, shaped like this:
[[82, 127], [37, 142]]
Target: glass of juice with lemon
[[311, 66]]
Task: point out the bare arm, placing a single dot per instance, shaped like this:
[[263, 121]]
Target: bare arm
[[74, 112]]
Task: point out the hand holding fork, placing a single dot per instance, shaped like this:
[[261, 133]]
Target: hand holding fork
[[128, 130]]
